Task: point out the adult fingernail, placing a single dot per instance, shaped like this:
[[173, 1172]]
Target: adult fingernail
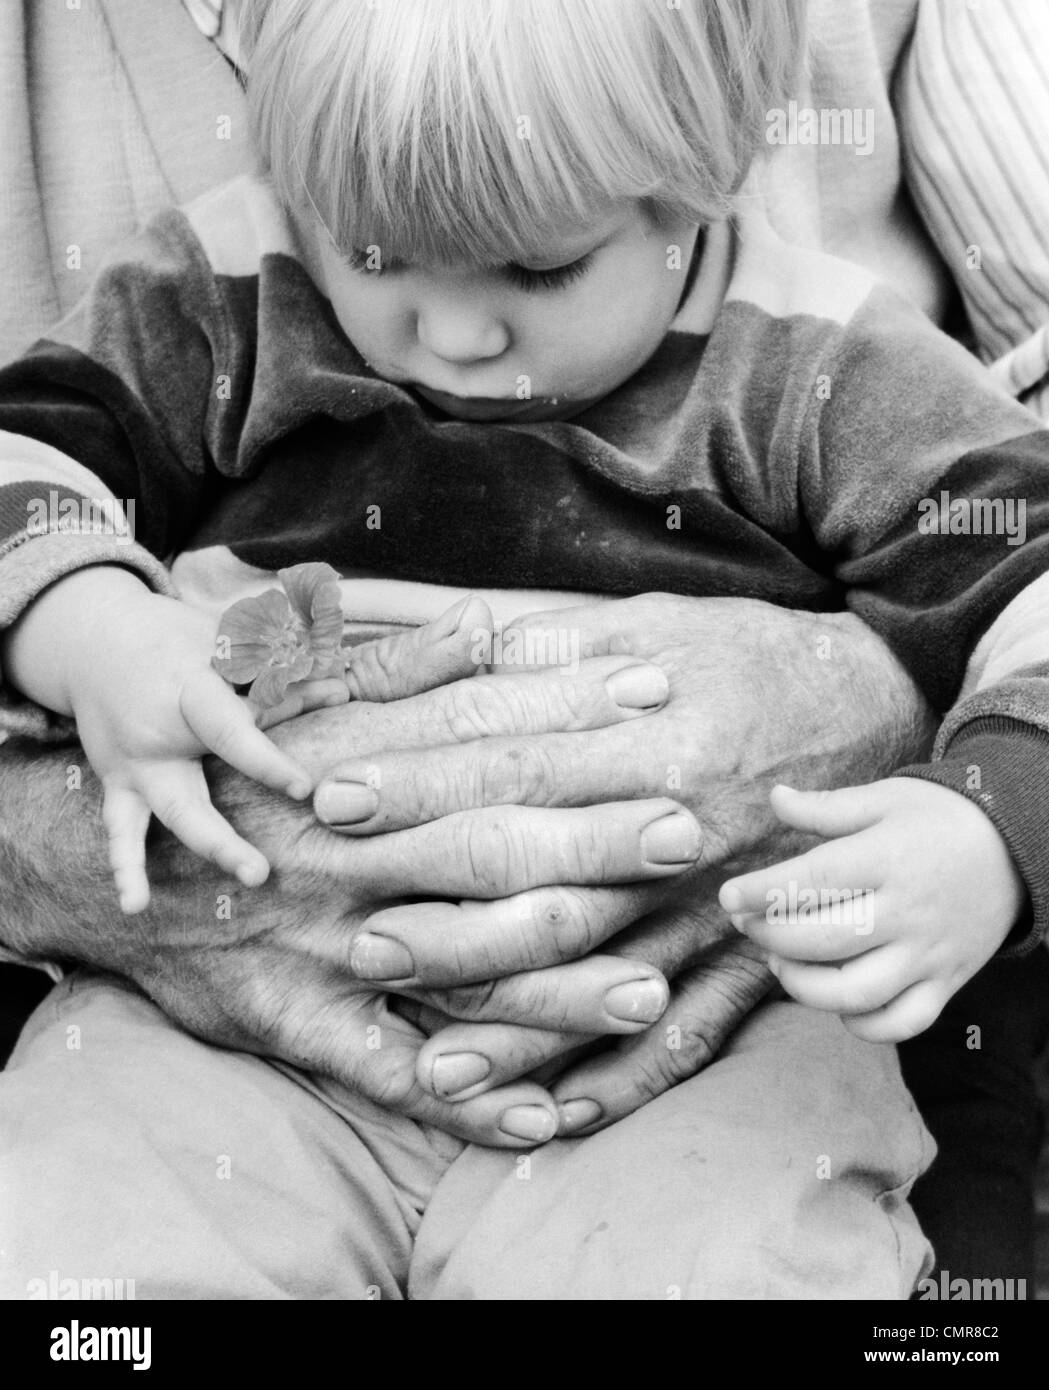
[[673, 839], [345, 803], [528, 1122], [578, 1114], [380, 958], [638, 687], [457, 1071], [638, 1001], [448, 622]]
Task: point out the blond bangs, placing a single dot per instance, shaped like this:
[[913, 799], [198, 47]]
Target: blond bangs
[[476, 130]]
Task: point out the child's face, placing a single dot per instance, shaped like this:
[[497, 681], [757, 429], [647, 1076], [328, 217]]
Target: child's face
[[535, 342]]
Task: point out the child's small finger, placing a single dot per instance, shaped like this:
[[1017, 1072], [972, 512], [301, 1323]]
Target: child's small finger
[[179, 797], [803, 886], [125, 816], [836, 813], [857, 987], [303, 698], [225, 724], [749, 893], [839, 927], [909, 1014]]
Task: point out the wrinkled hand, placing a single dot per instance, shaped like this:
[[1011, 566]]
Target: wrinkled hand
[[758, 694], [285, 969]]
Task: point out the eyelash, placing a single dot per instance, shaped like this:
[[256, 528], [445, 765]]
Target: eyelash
[[358, 260], [557, 278], [530, 281]]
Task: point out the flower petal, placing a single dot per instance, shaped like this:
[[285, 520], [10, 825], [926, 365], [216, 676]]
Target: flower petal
[[269, 686], [307, 587], [249, 632]]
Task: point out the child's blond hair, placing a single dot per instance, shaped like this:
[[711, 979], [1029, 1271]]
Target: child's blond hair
[[448, 130]]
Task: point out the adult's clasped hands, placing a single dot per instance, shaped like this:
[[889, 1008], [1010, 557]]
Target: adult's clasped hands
[[500, 916]]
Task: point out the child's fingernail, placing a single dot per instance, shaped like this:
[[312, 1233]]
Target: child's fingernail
[[253, 875], [731, 898]]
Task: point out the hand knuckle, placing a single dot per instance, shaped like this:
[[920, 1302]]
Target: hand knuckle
[[390, 1081], [465, 1002], [374, 668], [224, 741], [537, 997], [495, 855], [586, 852], [467, 709], [409, 783], [175, 814], [569, 700], [562, 917], [653, 1074], [699, 1047], [521, 774], [815, 873]]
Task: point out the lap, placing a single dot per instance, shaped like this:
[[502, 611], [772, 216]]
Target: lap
[[135, 1151], [781, 1171]]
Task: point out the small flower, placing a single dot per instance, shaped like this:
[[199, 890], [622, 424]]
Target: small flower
[[284, 635]]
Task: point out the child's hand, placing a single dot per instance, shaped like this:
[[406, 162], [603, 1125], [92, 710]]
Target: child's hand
[[148, 706], [933, 893]]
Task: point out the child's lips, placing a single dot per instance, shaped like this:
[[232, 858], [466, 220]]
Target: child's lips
[[497, 407]]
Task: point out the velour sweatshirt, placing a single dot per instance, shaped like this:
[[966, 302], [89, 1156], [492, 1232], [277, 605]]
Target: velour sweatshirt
[[814, 442]]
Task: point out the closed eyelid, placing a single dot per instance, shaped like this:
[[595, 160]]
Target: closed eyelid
[[556, 277], [565, 265], [526, 277], [357, 258]]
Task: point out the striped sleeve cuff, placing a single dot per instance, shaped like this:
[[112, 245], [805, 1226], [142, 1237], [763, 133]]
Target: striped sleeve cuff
[[28, 565], [1002, 766]]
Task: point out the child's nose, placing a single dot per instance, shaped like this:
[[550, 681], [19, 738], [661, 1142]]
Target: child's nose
[[456, 333]]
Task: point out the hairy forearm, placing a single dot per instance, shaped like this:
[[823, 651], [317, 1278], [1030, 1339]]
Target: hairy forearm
[[814, 700], [892, 722], [854, 713], [53, 874]]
